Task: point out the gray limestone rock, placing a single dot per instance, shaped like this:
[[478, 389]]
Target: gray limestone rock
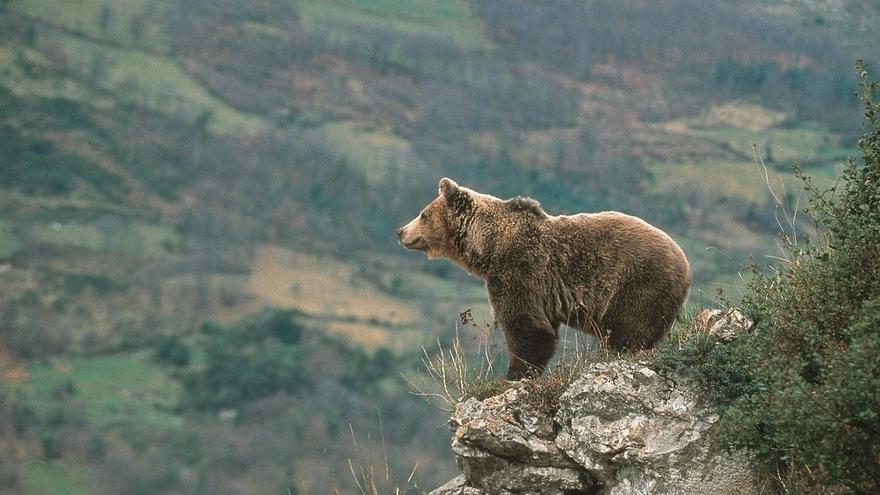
[[724, 325], [620, 428]]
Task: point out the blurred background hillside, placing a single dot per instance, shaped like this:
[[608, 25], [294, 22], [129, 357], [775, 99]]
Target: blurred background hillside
[[200, 286]]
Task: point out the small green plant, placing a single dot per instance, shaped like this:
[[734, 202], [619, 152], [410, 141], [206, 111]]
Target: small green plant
[[712, 366]]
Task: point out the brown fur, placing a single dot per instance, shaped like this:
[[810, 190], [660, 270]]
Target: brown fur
[[608, 273]]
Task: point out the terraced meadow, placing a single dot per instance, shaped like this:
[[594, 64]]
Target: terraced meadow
[[200, 286]]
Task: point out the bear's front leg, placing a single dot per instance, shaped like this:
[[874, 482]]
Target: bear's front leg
[[531, 342]]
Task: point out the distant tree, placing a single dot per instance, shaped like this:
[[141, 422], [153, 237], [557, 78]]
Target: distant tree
[[363, 370], [201, 123], [285, 326], [98, 66], [137, 26], [30, 35], [171, 350], [105, 18], [243, 363], [49, 443], [97, 446], [124, 471], [201, 305], [109, 226]]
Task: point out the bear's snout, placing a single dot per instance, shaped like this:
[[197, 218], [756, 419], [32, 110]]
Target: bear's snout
[[408, 237]]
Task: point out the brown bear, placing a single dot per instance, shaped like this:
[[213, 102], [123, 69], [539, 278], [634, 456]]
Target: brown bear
[[608, 273]]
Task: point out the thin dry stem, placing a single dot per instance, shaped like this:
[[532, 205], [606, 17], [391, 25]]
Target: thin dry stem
[[449, 375], [363, 470], [788, 213]]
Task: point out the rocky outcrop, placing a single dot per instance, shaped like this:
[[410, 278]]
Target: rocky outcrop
[[620, 428], [723, 324]]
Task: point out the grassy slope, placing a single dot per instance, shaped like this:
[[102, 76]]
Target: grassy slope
[[123, 390], [52, 477], [136, 239], [138, 70], [450, 17], [375, 153], [109, 21], [9, 243], [134, 69]]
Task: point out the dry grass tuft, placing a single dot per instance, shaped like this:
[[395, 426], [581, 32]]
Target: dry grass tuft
[[363, 469], [454, 373]]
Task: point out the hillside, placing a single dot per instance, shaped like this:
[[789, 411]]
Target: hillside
[[169, 167]]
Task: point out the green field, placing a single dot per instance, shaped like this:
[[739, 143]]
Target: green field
[[152, 81], [71, 234], [57, 477], [124, 390], [807, 142], [448, 18], [9, 243], [138, 239], [375, 153], [739, 180], [155, 82], [818, 151], [133, 22]]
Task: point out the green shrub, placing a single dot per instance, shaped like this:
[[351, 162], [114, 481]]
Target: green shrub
[[49, 445], [713, 366], [811, 415], [9, 242], [37, 166], [172, 351], [245, 362], [363, 370], [56, 417], [96, 446], [284, 326], [23, 417]]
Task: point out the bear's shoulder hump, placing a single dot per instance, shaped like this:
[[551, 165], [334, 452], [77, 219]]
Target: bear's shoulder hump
[[526, 204]]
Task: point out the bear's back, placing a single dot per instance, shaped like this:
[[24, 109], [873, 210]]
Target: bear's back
[[617, 274]]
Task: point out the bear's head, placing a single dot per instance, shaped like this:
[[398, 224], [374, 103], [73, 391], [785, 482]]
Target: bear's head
[[469, 227], [439, 228]]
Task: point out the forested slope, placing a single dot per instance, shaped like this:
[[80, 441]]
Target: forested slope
[[173, 173]]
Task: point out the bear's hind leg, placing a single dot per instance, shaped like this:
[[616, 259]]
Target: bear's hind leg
[[639, 326], [531, 343]]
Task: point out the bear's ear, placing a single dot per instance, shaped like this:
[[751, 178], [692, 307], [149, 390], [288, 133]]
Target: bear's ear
[[448, 187], [456, 197]]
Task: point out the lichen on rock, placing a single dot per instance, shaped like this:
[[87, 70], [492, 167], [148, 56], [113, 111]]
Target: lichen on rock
[[621, 428]]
